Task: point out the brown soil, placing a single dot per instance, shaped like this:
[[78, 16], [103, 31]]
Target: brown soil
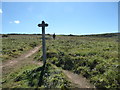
[[14, 64], [21, 58], [79, 80], [8, 66]]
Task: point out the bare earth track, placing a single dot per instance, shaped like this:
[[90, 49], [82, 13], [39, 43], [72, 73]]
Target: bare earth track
[[78, 80], [22, 57]]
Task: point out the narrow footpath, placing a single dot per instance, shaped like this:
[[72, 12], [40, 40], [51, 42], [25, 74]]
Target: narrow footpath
[[78, 80], [21, 58]]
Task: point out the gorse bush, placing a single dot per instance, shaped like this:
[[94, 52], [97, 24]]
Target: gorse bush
[[94, 57], [50, 78]]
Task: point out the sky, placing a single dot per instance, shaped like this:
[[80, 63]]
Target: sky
[[62, 17]]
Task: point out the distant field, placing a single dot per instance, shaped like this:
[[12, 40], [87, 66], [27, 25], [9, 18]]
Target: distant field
[[95, 57], [15, 45]]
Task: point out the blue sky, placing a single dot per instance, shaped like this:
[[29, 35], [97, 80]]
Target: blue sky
[[63, 17]]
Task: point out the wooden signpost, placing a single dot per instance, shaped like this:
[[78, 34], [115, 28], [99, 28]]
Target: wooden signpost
[[43, 25]]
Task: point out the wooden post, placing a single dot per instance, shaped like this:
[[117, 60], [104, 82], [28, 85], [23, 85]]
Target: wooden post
[[43, 25]]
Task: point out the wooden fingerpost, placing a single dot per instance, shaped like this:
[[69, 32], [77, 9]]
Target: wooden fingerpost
[[43, 25]]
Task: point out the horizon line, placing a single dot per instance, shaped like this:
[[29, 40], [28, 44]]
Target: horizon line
[[61, 33]]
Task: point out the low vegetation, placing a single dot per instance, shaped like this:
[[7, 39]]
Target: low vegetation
[[15, 45], [96, 58], [37, 77]]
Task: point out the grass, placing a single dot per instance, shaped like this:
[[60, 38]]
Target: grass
[[96, 58], [30, 77], [15, 45], [9, 80]]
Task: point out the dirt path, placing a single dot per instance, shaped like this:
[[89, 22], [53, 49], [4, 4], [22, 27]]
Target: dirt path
[[79, 80], [21, 58], [17, 63]]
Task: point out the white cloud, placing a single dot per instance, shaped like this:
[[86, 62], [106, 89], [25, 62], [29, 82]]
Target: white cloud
[[1, 11], [17, 21]]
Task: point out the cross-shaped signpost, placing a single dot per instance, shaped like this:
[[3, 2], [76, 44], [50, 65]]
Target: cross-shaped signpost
[[43, 25]]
